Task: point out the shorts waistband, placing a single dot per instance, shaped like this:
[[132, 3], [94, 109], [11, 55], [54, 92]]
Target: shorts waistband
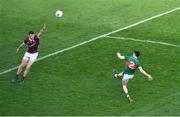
[[31, 53]]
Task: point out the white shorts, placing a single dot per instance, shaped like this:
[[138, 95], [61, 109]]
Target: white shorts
[[127, 77], [30, 56]]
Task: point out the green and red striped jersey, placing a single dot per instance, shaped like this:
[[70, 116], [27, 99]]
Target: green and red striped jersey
[[131, 64]]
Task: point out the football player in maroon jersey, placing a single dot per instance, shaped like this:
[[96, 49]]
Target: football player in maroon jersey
[[32, 42]]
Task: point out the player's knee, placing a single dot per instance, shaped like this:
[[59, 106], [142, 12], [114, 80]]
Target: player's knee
[[120, 74], [28, 68], [22, 65], [123, 82], [124, 86]]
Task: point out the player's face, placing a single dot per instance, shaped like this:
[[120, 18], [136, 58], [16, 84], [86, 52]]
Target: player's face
[[31, 36]]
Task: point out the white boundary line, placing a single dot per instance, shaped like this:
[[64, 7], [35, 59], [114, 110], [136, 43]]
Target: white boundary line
[[98, 37], [145, 41]]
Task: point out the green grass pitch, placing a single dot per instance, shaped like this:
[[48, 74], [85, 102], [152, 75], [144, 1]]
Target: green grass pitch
[[79, 81]]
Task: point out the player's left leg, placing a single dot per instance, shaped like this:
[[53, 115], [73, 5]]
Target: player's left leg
[[32, 59], [23, 63], [28, 67], [116, 74]]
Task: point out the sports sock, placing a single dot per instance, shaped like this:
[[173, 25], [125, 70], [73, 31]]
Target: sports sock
[[23, 78], [17, 76], [125, 90]]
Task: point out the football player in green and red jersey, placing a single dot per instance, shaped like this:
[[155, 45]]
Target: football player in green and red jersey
[[131, 65]]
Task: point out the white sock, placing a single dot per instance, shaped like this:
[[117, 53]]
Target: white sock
[[116, 75], [125, 89]]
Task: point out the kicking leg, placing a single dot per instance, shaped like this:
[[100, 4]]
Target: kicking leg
[[23, 63], [116, 74], [28, 67], [120, 74]]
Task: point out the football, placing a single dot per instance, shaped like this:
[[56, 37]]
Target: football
[[59, 13]]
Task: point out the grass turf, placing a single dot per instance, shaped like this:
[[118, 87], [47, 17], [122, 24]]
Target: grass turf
[[78, 82]]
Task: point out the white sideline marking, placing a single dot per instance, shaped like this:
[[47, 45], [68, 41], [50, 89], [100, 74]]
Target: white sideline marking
[[145, 41], [98, 37]]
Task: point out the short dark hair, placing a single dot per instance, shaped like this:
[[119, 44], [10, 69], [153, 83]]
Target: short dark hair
[[137, 53], [31, 32]]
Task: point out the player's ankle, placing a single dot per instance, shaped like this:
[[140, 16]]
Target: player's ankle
[[23, 78], [17, 76]]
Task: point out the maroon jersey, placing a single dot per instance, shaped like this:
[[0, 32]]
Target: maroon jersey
[[33, 44]]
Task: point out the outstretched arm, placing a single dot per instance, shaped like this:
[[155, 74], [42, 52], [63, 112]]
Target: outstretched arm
[[20, 46], [120, 56], [41, 31], [145, 73]]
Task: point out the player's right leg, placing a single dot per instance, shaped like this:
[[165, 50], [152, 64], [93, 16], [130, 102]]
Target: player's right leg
[[125, 80], [28, 67], [125, 89], [23, 63], [32, 58]]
